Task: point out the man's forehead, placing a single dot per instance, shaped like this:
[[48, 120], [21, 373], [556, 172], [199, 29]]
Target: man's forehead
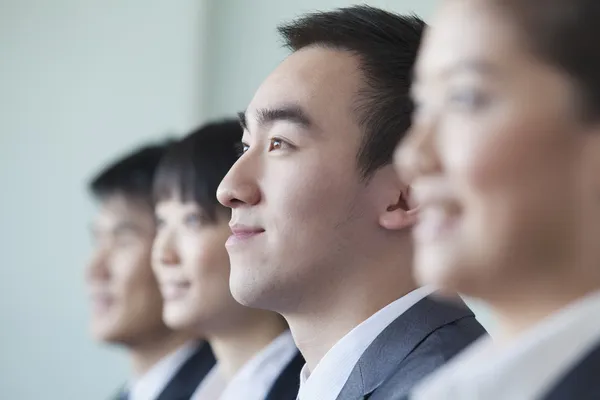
[[118, 210], [311, 78]]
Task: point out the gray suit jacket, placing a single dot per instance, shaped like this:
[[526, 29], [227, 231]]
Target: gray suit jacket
[[422, 339]]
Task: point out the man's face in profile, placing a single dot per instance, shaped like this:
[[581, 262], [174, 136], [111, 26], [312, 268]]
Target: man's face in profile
[[126, 302], [300, 206]]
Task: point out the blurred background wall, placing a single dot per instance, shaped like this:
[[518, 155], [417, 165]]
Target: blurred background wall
[[82, 81], [244, 47]]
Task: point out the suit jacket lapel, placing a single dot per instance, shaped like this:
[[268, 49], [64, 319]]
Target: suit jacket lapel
[[397, 341], [287, 384], [189, 375]]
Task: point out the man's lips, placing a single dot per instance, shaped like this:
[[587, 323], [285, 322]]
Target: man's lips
[[243, 233], [102, 302]]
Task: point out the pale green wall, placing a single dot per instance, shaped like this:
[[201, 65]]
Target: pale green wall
[[80, 82], [244, 47]]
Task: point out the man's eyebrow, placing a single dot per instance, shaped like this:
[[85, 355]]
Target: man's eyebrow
[[294, 114], [127, 227]]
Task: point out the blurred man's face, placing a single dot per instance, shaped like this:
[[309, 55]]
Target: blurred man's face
[[126, 302], [303, 218]]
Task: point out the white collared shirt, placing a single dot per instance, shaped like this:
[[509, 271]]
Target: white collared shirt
[[255, 379], [152, 383], [332, 372], [523, 370]]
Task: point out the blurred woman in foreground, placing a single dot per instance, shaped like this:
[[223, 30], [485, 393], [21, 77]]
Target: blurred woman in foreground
[[504, 159]]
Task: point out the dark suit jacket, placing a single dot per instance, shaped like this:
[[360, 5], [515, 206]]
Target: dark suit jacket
[[582, 382], [419, 341], [288, 383], [188, 377]]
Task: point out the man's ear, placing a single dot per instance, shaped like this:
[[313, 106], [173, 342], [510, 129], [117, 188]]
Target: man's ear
[[401, 213]]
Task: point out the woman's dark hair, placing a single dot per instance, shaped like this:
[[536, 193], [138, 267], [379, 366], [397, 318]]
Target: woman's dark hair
[[131, 175], [194, 166]]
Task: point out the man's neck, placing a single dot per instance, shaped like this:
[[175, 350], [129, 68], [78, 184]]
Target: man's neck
[[316, 331], [146, 354], [236, 345]]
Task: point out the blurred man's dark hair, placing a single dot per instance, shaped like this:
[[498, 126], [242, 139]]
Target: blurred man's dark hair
[[131, 176]]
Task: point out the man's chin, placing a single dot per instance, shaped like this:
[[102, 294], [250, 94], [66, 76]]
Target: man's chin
[[245, 296], [108, 333], [249, 294]]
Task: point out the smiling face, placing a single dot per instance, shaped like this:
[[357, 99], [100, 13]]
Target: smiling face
[[303, 217], [126, 302], [192, 267], [501, 162]]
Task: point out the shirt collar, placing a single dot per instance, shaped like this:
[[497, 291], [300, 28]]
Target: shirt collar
[[523, 369], [255, 379], [149, 385], [332, 372]]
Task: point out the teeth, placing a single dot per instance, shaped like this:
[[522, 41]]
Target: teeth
[[173, 290], [433, 221], [433, 214]]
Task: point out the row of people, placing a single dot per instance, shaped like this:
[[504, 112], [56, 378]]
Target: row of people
[[293, 227]]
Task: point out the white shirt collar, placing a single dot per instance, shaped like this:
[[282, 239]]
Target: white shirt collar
[[332, 372], [255, 379], [524, 369], [152, 383]]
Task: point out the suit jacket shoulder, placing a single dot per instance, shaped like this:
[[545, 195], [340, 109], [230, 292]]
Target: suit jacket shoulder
[[189, 375], [422, 339], [581, 382], [287, 385], [433, 352]]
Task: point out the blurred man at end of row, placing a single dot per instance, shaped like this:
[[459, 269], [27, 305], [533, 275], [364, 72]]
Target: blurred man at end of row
[[125, 298]]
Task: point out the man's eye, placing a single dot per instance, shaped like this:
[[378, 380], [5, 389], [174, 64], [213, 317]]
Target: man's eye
[[277, 144], [124, 240]]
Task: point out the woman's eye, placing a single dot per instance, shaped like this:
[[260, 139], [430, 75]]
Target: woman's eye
[[193, 220], [469, 99], [241, 148], [196, 220]]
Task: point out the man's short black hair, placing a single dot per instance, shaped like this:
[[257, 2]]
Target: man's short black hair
[[131, 176], [194, 167], [386, 45]]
